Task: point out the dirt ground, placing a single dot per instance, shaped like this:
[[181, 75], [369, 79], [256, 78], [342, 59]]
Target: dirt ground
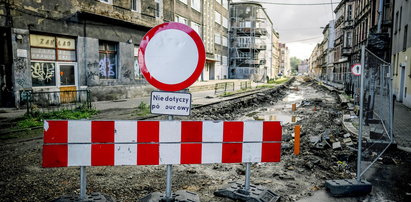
[[294, 178]]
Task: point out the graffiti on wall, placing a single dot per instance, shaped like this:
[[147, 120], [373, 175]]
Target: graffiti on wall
[[20, 64], [42, 71], [106, 68]]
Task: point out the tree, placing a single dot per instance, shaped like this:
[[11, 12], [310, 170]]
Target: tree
[[294, 62]]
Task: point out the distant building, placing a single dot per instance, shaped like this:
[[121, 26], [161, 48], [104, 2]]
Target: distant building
[[250, 42], [401, 52], [273, 71], [315, 61], [215, 17], [343, 45], [285, 66], [303, 67]]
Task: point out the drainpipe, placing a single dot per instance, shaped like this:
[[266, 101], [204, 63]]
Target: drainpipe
[[380, 10]]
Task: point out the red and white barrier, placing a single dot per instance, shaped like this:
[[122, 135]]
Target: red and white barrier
[[109, 143]]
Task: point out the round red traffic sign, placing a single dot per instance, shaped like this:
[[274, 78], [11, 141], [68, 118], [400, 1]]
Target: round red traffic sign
[[356, 69], [171, 56]]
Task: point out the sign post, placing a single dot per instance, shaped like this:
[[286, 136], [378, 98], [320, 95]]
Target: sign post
[[171, 58]]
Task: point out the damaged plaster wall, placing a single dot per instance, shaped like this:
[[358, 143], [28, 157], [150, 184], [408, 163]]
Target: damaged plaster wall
[[88, 22], [21, 67]]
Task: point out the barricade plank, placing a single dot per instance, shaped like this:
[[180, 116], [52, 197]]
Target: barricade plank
[[110, 143]]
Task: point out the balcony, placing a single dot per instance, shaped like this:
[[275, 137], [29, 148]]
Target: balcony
[[348, 24], [255, 62], [252, 46], [251, 31], [346, 51]]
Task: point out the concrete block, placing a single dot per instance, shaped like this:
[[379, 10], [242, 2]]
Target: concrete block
[[180, 196], [98, 197], [336, 145], [235, 191], [348, 187]]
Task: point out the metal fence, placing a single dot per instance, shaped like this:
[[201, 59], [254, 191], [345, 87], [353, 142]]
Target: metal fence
[[222, 88], [245, 85], [55, 100], [377, 108]]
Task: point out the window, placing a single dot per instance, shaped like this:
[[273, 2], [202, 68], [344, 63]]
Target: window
[[196, 27], [159, 8], [135, 5], [396, 21], [404, 45], [181, 20], [399, 23], [217, 18], [218, 58], [218, 1], [137, 73], [225, 4], [46, 53], [225, 22], [349, 12], [225, 41], [348, 39], [183, 1], [225, 60], [217, 38], [107, 1], [107, 60], [196, 4]]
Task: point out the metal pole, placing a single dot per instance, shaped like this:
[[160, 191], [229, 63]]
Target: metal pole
[[361, 113], [247, 177], [83, 182], [169, 173], [380, 10]]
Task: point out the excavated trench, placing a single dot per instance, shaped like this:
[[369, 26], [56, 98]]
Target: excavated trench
[[295, 177]]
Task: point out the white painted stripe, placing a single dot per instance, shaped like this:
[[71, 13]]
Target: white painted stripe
[[170, 131], [211, 153], [213, 131], [79, 154], [79, 131], [125, 131], [170, 153], [252, 152], [253, 131], [125, 154]]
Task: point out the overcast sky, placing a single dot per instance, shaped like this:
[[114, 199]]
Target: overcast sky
[[299, 26]]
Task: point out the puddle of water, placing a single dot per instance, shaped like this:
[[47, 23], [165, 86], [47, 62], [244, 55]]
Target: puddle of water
[[292, 97], [283, 118]]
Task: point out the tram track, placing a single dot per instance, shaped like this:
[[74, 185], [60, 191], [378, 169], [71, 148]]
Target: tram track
[[230, 106]]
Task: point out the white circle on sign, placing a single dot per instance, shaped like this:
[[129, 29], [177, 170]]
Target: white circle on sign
[[356, 69], [168, 49]]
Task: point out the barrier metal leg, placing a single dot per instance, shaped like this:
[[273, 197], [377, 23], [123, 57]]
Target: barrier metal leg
[[83, 182], [168, 181], [247, 177]]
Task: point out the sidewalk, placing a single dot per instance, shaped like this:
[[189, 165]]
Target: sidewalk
[[203, 94], [402, 126]]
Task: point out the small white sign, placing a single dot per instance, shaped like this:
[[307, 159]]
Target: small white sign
[[170, 103], [22, 53]]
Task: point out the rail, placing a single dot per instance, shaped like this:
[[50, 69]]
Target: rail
[[55, 100]]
